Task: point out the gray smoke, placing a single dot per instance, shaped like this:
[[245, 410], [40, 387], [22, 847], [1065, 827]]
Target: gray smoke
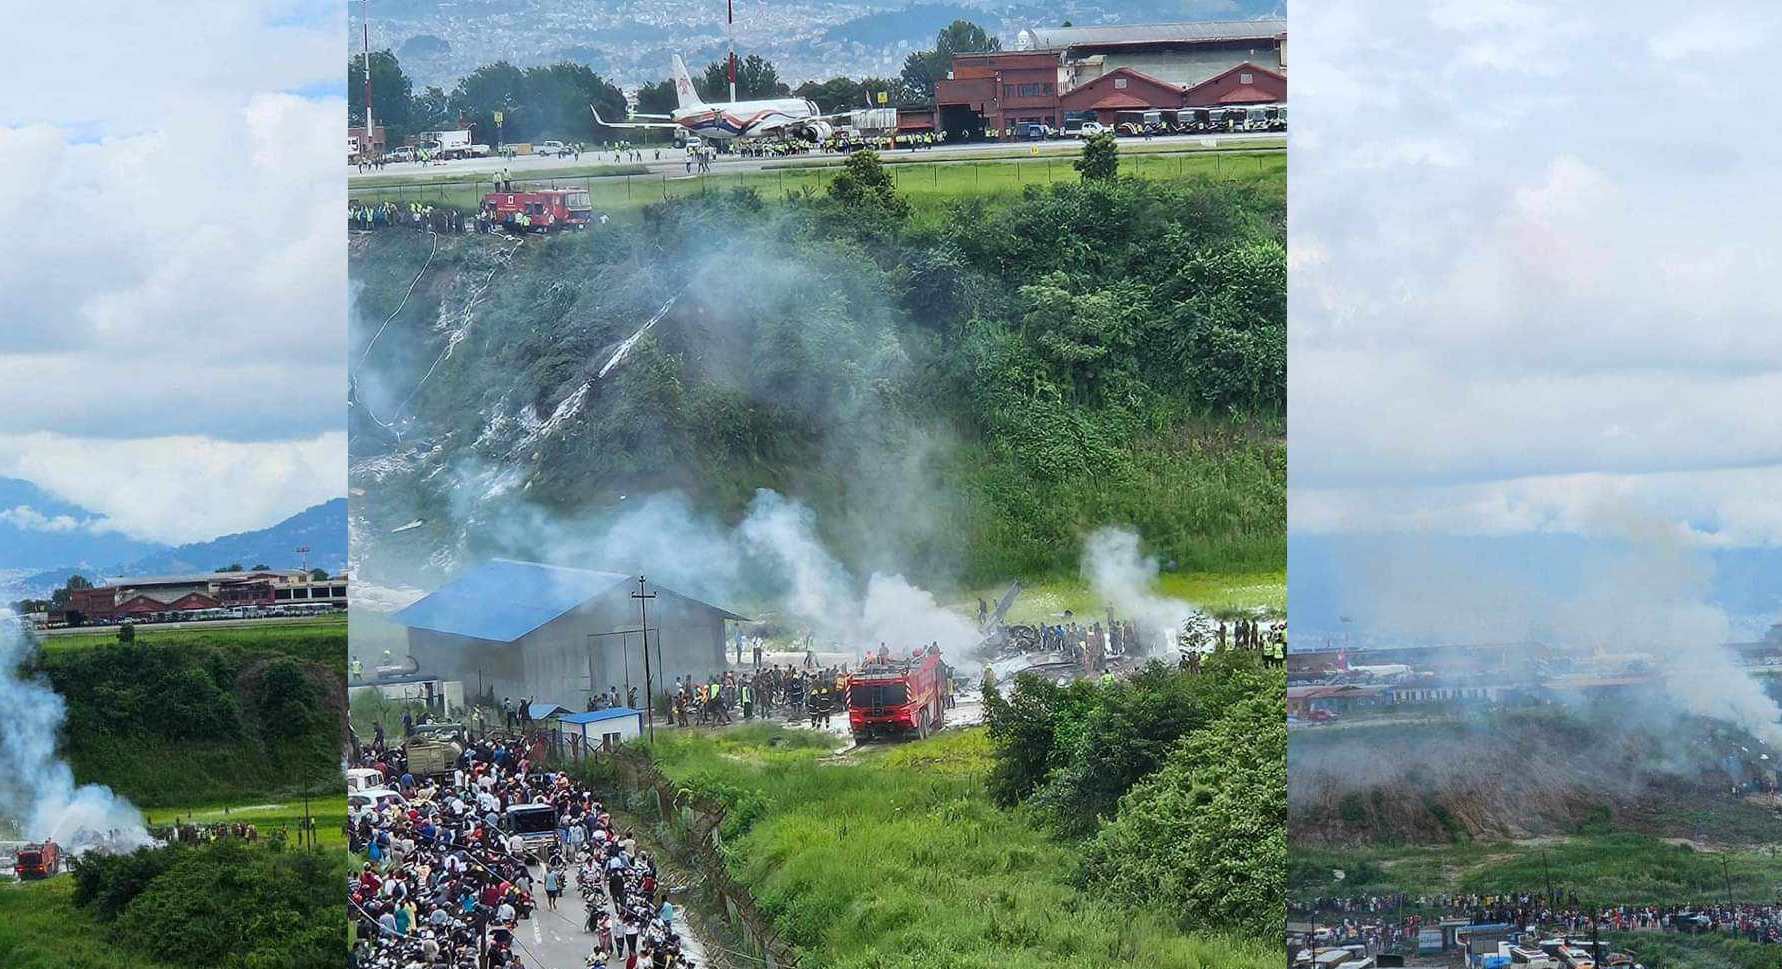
[[37, 788], [1121, 576]]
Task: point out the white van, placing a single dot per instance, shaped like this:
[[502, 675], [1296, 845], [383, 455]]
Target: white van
[[379, 796], [363, 779]]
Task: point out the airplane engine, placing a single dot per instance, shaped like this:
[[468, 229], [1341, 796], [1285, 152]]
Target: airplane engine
[[817, 132]]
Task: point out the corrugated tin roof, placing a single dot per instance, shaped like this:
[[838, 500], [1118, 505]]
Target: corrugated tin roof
[[502, 600], [595, 716], [1205, 31]]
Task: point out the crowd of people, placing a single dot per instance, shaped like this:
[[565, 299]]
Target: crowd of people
[[1391, 922], [443, 885]]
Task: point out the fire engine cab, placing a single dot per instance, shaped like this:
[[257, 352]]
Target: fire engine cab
[[38, 861], [898, 698], [546, 210]]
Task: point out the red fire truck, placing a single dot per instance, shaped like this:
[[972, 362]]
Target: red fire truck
[[546, 210], [898, 698], [38, 861]]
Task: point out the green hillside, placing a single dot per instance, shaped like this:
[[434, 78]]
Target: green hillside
[[964, 391], [180, 717]]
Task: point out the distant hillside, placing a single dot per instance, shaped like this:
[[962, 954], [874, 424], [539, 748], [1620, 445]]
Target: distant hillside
[[39, 531], [321, 528]]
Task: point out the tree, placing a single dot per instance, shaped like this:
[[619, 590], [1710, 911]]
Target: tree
[[261, 567], [923, 68], [1101, 158], [391, 95], [127, 633], [756, 78], [1207, 834], [558, 99], [865, 183], [834, 95], [61, 596], [431, 110], [657, 98], [318, 575], [232, 567], [493, 87]]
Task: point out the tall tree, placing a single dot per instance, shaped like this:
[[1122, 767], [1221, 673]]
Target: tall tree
[[558, 97], [493, 87], [835, 94], [923, 68], [392, 95], [657, 98], [756, 77]]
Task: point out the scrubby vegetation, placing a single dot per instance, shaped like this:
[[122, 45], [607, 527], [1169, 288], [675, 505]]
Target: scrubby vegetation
[[1000, 379], [898, 857], [194, 721], [225, 904], [1178, 780]]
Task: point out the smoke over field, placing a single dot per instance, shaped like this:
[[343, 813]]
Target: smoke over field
[[37, 788], [1629, 693], [819, 412]]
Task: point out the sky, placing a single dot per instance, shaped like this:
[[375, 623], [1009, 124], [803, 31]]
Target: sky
[[1534, 339], [172, 338]]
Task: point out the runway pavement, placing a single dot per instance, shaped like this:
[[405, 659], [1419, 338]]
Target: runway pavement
[[672, 159]]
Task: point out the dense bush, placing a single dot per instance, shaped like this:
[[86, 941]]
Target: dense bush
[[1208, 831], [226, 905], [1177, 780], [183, 722]]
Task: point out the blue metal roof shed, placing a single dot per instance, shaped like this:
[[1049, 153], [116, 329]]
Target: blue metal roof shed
[[502, 600], [594, 726], [595, 716]]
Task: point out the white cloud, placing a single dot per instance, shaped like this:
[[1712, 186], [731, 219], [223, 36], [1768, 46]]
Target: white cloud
[[181, 489], [29, 519], [174, 262], [1519, 289]]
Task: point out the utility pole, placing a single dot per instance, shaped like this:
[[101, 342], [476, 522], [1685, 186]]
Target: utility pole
[[730, 26], [303, 556], [643, 628], [365, 32]]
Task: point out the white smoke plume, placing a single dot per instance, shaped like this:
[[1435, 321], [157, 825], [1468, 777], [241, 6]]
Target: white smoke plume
[[37, 789], [1122, 577]]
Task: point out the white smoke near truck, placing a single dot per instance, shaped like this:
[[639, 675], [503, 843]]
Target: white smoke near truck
[[38, 792]]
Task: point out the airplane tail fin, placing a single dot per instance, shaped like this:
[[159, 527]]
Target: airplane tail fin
[[686, 95]]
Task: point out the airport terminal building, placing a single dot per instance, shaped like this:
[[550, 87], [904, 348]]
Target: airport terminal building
[[1052, 73]]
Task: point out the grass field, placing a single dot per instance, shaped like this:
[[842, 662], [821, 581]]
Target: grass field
[[42, 928], [1674, 951], [319, 640], [329, 813], [897, 857], [1599, 869], [1044, 600], [927, 184]]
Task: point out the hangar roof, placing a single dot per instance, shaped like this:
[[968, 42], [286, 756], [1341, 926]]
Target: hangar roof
[[503, 600], [1202, 32]]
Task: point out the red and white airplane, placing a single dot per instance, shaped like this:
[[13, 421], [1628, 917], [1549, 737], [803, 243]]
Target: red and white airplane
[[775, 117]]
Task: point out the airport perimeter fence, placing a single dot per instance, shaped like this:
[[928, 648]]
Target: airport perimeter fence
[[688, 826], [920, 179]]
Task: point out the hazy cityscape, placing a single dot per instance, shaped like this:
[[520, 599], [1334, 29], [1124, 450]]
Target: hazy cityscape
[[629, 42]]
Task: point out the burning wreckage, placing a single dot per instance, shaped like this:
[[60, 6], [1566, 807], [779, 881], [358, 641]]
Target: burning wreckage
[[1069, 649]]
